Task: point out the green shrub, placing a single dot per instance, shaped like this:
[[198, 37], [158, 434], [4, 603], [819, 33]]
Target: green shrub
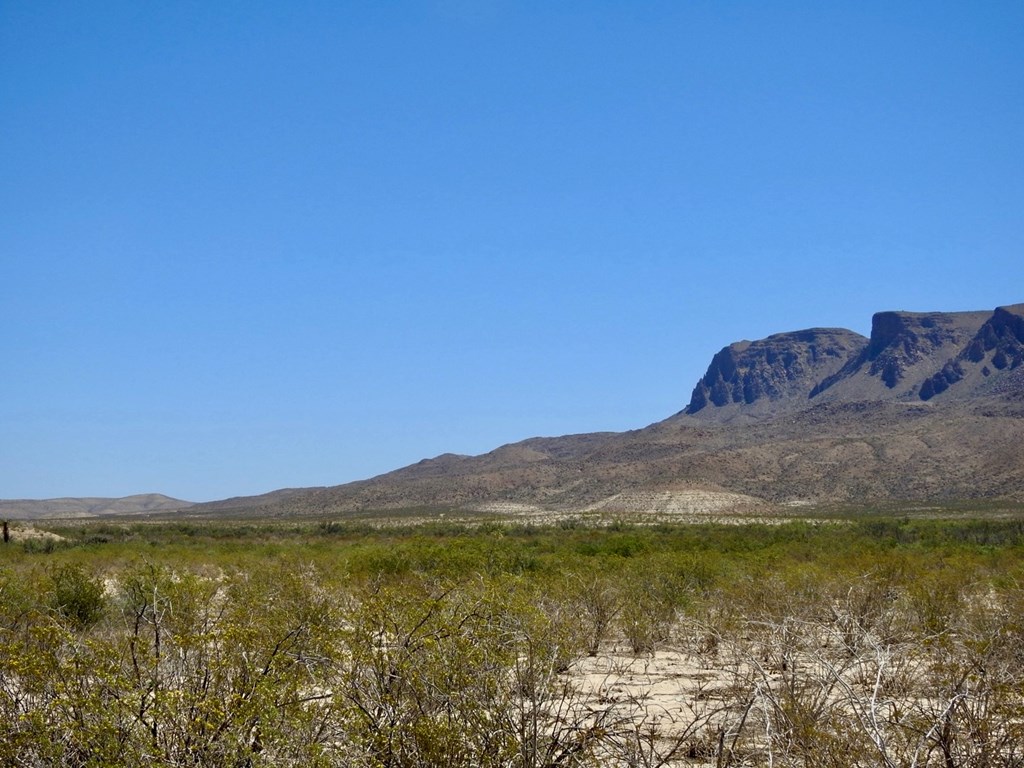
[[76, 596]]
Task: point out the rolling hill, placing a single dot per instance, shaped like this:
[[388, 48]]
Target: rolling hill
[[39, 509]]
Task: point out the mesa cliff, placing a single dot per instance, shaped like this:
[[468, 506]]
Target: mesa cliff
[[908, 357]]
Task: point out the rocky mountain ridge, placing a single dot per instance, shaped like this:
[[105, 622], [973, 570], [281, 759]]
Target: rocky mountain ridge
[[783, 368], [909, 356]]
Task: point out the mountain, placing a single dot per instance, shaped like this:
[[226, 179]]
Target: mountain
[[37, 509], [909, 357], [928, 408]]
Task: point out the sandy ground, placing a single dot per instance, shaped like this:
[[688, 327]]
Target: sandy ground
[[23, 531], [675, 704]]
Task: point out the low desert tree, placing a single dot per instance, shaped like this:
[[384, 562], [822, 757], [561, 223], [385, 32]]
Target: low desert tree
[[599, 599], [470, 675], [653, 594], [235, 670]]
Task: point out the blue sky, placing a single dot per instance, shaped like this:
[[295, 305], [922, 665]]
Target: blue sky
[[246, 246]]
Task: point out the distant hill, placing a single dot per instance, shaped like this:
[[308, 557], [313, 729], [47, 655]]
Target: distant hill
[[929, 407], [35, 509]]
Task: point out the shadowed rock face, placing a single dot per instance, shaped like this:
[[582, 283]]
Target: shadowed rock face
[[906, 349], [997, 346], [1001, 340], [783, 366], [911, 356], [901, 340]]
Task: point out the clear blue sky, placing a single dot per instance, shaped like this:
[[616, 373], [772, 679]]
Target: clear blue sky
[[246, 246]]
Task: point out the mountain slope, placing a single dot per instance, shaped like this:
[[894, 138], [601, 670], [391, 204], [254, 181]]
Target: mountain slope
[[929, 407]]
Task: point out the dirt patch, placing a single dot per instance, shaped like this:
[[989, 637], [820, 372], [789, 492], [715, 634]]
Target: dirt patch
[[23, 532]]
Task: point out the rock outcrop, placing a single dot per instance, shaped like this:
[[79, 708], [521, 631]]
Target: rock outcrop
[[761, 375], [910, 356], [997, 346], [906, 349]]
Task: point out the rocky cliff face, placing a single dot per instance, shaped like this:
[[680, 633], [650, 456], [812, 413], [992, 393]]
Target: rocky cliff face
[[760, 374], [906, 349], [997, 346], [910, 356], [901, 340]]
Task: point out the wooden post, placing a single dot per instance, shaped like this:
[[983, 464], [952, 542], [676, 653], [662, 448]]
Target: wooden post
[[7, 532]]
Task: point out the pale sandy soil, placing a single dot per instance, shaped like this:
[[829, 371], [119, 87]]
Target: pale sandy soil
[[674, 704], [22, 532], [683, 503]]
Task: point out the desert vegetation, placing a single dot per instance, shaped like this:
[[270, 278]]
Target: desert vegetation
[[849, 642]]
